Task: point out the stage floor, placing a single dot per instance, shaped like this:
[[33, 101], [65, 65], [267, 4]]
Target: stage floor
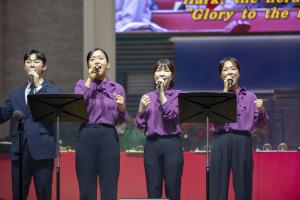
[[276, 177]]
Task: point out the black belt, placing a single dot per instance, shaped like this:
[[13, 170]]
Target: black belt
[[86, 125], [246, 133], [156, 136]]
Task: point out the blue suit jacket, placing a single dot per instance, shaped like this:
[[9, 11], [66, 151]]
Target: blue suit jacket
[[40, 136]]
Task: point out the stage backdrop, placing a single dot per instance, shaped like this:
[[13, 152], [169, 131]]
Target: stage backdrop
[[267, 62]]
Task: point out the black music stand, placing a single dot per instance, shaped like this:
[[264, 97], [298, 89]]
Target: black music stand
[[57, 108], [20, 155], [195, 107]]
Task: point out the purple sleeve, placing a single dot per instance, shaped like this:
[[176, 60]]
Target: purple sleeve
[[260, 119], [121, 116], [170, 108], [133, 10], [80, 88], [140, 120]]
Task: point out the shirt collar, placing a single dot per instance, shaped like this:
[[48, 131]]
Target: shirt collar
[[168, 92], [241, 91], [104, 85], [29, 83]]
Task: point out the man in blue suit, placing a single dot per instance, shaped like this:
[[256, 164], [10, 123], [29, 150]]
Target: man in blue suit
[[39, 142]]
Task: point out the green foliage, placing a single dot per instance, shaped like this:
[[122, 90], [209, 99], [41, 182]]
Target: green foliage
[[130, 136]]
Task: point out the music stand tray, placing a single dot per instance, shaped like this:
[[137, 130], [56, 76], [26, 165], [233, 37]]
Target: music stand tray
[[57, 108], [45, 107], [195, 107]]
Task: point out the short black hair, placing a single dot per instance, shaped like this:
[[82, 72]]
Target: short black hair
[[90, 53], [171, 67], [39, 55], [233, 60]]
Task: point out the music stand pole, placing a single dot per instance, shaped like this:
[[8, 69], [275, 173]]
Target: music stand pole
[[58, 155], [20, 131], [195, 107], [207, 157], [57, 108]]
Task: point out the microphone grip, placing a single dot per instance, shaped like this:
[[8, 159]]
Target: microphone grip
[[19, 116], [31, 78], [229, 83], [158, 85], [97, 67]]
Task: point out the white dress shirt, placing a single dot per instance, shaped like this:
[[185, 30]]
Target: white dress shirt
[[27, 90]]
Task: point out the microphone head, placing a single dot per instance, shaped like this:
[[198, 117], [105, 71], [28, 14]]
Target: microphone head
[[98, 67], [18, 115], [230, 81], [157, 85], [31, 78]]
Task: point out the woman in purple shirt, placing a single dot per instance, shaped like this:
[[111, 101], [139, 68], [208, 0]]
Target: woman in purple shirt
[[158, 116], [97, 150], [231, 145]]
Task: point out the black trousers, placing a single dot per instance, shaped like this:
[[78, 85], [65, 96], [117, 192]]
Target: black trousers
[[163, 161], [98, 154], [231, 151], [40, 170]]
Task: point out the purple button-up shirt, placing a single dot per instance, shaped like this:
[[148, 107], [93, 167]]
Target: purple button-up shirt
[[100, 102], [248, 116], [160, 119]]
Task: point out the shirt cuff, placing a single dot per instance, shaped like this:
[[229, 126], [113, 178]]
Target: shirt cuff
[[141, 114], [263, 115], [121, 114], [37, 89], [163, 107]]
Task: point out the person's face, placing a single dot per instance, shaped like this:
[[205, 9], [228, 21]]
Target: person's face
[[163, 75], [230, 71], [98, 59], [33, 64]]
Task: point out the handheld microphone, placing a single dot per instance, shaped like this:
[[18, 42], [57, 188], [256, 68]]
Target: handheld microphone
[[18, 115], [230, 83], [97, 67], [31, 79], [159, 83]]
